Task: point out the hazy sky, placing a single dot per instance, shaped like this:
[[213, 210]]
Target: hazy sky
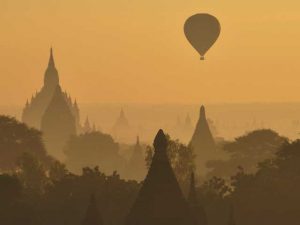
[[135, 50]]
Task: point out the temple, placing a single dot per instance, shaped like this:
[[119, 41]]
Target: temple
[[121, 131], [160, 200], [58, 124], [35, 108], [202, 142], [136, 168]]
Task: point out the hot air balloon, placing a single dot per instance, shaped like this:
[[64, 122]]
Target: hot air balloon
[[202, 31]]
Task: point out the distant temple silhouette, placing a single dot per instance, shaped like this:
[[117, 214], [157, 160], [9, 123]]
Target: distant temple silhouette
[[87, 126], [183, 130], [53, 111], [58, 124], [202, 141], [121, 130], [122, 122], [136, 168], [36, 107], [160, 200]]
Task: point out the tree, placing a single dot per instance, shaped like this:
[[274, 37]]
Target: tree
[[93, 149], [65, 201], [32, 173], [271, 195], [10, 190], [15, 139], [57, 171], [246, 152]]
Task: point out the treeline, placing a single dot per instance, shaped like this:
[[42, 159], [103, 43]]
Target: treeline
[[256, 181]]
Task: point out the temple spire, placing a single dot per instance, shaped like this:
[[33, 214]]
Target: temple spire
[[160, 142], [51, 79], [51, 59], [202, 112], [160, 200], [87, 126]]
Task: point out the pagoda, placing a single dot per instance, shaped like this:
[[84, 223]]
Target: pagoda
[[160, 200]]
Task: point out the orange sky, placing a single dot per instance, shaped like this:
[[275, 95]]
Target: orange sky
[[135, 50]]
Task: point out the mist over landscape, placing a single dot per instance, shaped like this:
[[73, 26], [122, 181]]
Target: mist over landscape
[[158, 112], [230, 120]]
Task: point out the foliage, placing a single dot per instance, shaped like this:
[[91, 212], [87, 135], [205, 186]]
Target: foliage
[[93, 149], [246, 152], [15, 139]]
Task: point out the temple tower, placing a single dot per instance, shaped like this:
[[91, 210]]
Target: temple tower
[[58, 124], [160, 200], [35, 109], [136, 168], [202, 142]]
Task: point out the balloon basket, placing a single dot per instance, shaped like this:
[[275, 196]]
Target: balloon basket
[[202, 58]]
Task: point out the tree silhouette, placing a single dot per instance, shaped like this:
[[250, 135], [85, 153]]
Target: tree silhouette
[[97, 148], [15, 139], [246, 151]]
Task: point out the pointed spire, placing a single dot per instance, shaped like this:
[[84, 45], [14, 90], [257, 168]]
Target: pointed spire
[[27, 103], [51, 79], [202, 112], [160, 200], [76, 104], [51, 59], [137, 140], [160, 142], [87, 126]]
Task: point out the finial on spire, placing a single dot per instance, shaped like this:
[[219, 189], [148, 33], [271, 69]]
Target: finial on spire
[[202, 112], [75, 103], [137, 140], [160, 141], [51, 59]]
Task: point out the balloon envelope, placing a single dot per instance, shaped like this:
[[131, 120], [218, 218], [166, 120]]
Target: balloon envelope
[[202, 31]]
